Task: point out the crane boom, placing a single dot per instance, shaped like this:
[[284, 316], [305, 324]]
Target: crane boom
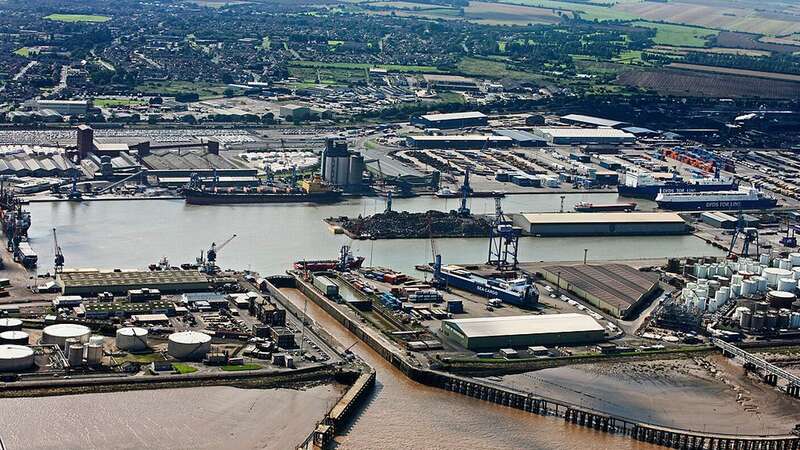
[[59, 255]]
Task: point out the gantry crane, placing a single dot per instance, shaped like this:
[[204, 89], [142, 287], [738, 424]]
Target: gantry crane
[[59, 258]]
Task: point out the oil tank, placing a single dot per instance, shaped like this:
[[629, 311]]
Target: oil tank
[[745, 319], [796, 273], [795, 259], [771, 321], [59, 333], [701, 271], [75, 355], [189, 345], [14, 337], [794, 319], [785, 264], [780, 299], [132, 339], [762, 284], [757, 322], [774, 274], [783, 319], [749, 288], [10, 324], [355, 175], [761, 307], [94, 353], [787, 284], [15, 358]]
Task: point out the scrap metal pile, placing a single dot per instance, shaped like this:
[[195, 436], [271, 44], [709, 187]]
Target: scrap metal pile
[[400, 225]]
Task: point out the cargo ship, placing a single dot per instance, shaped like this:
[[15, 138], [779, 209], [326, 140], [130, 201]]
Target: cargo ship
[[311, 191], [319, 265], [720, 200], [449, 193], [607, 207], [519, 292], [647, 185]]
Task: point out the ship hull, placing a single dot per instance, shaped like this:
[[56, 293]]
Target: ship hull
[[526, 300], [717, 205], [607, 208], [327, 264], [194, 197], [650, 192]]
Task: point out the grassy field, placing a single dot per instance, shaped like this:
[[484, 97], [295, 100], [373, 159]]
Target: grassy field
[[586, 11], [493, 69], [241, 367], [77, 18], [109, 102], [24, 51], [143, 358], [184, 368], [630, 57], [204, 90], [678, 35], [390, 67]]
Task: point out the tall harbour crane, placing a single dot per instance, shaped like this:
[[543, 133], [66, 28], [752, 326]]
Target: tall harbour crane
[[59, 258], [210, 263]]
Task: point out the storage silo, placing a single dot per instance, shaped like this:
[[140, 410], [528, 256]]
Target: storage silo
[[780, 299], [59, 333], [745, 319], [774, 274], [335, 162], [10, 324], [75, 355], [355, 176], [189, 345], [132, 339], [15, 337], [94, 353], [787, 284], [15, 358], [757, 322]]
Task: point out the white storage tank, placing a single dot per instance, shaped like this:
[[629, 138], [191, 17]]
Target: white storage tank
[[761, 283], [795, 259], [75, 355], [749, 288], [59, 333], [764, 259], [15, 337], [774, 274], [701, 270], [10, 324], [796, 273], [94, 353], [132, 339], [189, 345], [787, 284], [15, 358], [785, 264], [794, 320], [736, 290]]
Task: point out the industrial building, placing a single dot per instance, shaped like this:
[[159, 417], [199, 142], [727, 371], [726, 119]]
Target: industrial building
[[340, 167], [591, 121], [23, 165], [451, 83], [65, 107], [492, 333], [522, 138], [718, 219], [580, 136], [294, 112], [617, 289], [92, 282], [601, 224], [451, 120], [462, 141]]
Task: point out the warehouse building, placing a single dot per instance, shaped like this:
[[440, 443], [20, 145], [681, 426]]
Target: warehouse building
[[451, 83], [493, 333], [462, 141], [452, 120], [617, 289], [65, 107], [522, 138], [591, 121], [718, 219], [581, 136], [294, 112], [601, 224], [91, 282]]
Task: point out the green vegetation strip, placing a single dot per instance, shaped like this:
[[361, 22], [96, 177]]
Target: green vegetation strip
[[391, 67], [184, 368], [678, 35], [77, 18], [241, 367]]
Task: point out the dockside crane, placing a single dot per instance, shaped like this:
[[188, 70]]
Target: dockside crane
[[59, 258], [211, 255]]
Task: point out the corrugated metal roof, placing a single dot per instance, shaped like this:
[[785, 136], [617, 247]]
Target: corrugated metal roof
[[455, 116], [519, 135], [524, 325], [462, 137], [591, 120], [596, 217], [568, 132]]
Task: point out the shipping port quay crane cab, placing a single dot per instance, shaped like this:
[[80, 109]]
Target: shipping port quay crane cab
[[748, 236], [59, 255], [207, 262]]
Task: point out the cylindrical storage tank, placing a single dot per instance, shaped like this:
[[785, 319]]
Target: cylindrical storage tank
[[757, 321], [10, 324], [720, 298], [701, 303], [763, 286], [75, 355], [713, 287], [702, 270], [94, 353], [342, 170], [779, 299], [15, 358], [745, 319], [763, 259], [783, 320], [761, 307], [787, 284], [189, 345], [794, 320], [771, 321], [796, 273], [754, 268], [749, 288], [736, 290], [723, 280], [795, 259], [785, 264], [712, 271], [96, 340], [59, 333], [774, 274], [355, 176], [691, 286], [737, 279], [795, 305], [15, 337], [726, 292], [132, 339]]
